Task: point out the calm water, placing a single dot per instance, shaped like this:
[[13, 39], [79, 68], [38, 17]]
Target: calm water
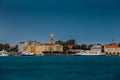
[[60, 68]]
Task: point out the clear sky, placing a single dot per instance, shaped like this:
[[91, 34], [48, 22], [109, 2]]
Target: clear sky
[[86, 21]]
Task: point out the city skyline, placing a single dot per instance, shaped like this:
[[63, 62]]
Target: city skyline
[[86, 21]]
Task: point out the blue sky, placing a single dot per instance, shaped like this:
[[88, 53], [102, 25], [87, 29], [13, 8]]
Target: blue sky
[[86, 21]]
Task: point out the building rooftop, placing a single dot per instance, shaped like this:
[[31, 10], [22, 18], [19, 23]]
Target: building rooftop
[[111, 46]]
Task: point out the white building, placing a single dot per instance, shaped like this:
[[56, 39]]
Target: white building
[[22, 46], [96, 48]]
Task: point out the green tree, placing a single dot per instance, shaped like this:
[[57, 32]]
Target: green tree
[[89, 47], [102, 49], [1, 47], [6, 46], [76, 47], [65, 48], [84, 47], [70, 42], [16, 48], [59, 42], [119, 44]]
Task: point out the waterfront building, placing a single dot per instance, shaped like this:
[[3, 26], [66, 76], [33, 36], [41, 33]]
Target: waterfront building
[[112, 49], [38, 48], [30, 48], [96, 48], [11, 48], [22, 46]]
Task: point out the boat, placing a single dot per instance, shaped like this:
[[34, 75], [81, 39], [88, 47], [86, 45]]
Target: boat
[[27, 54], [90, 54], [3, 53]]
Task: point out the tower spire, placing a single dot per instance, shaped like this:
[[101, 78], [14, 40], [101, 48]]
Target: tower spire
[[113, 41], [51, 38]]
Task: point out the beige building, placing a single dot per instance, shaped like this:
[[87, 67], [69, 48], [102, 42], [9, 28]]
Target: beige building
[[112, 49], [96, 48], [38, 48]]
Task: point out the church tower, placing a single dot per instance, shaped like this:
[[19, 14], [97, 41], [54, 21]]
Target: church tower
[[113, 41], [51, 38]]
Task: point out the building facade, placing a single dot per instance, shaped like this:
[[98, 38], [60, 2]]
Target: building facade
[[38, 48], [96, 48], [112, 49], [22, 46]]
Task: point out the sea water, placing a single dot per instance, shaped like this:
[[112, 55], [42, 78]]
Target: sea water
[[60, 68]]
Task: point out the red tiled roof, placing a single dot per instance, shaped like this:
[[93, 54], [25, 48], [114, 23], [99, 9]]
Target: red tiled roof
[[11, 47], [114, 45]]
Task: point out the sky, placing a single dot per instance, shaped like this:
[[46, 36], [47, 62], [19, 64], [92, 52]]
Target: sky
[[86, 21]]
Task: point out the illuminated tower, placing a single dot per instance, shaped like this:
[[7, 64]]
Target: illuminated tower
[[51, 38]]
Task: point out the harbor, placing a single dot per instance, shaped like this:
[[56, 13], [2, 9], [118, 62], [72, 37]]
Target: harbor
[[60, 48]]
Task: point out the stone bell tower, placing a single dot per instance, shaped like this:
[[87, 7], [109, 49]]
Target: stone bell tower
[[51, 38]]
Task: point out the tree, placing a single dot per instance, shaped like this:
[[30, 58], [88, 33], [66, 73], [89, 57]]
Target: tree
[[16, 48], [84, 47], [102, 49], [76, 47], [70, 42], [65, 48], [6, 46], [119, 44], [59, 42], [1, 47], [89, 47]]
